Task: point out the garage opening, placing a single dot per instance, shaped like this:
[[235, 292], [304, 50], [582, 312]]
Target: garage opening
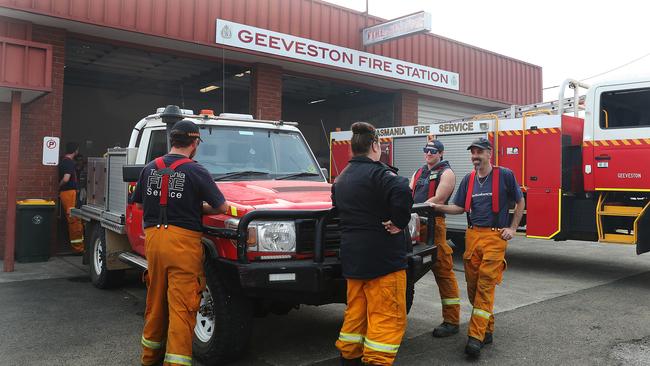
[[322, 106], [108, 88]]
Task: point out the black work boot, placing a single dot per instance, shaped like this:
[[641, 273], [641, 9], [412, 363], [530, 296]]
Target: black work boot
[[487, 339], [473, 347], [445, 330], [350, 362]]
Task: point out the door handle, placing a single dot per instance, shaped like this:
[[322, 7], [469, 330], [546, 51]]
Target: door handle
[[603, 157]]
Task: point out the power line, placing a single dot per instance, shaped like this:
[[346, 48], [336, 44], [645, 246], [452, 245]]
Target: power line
[[608, 71]]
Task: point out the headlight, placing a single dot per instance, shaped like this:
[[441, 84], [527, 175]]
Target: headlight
[[269, 236], [414, 227], [275, 236]]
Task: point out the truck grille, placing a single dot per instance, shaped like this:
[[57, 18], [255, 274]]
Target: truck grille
[[305, 235]]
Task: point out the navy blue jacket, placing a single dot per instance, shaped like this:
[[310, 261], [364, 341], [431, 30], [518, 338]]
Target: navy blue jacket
[[366, 194]]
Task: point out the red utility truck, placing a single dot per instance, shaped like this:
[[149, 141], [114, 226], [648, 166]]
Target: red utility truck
[[585, 176], [277, 247]]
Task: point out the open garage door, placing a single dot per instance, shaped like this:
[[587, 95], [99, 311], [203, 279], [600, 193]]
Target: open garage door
[[310, 101]]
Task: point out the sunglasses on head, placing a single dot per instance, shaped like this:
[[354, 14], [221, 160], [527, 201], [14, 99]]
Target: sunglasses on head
[[430, 150]]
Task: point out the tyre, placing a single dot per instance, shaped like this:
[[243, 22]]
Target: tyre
[[99, 275], [223, 322]]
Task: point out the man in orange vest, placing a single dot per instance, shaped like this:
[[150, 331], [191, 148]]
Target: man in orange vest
[[485, 195], [434, 182], [172, 190], [68, 185]]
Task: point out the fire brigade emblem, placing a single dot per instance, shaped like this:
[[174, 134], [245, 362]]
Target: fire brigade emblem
[[226, 32], [454, 80]]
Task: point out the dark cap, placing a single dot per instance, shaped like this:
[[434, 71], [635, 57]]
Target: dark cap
[[436, 145], [186, 128], [481, 143]]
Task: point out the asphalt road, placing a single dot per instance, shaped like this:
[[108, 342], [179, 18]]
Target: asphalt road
[[560, 303]]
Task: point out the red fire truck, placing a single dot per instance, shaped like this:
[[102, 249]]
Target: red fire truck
[[585, 176]]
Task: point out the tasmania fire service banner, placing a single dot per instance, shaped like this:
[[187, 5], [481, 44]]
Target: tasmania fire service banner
[[285, 45]]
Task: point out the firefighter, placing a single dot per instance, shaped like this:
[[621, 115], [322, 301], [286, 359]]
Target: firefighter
[[434, 182], [485, 195], [172, 190], [369, 195], [68, 185]]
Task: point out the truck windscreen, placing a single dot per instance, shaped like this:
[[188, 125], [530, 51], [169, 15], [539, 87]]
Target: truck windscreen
[[253, 151]]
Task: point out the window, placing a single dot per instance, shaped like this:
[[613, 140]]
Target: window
[[625, 109], [157, 144]]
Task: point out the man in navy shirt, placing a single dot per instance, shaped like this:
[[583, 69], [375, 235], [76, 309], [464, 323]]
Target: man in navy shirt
[[485, 195], [172, 190]]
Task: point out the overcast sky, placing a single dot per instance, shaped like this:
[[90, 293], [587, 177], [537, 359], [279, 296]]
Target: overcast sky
[[569, 39]]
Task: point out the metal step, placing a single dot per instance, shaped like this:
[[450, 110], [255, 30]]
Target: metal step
[[134, 260], [611, 210], [618, 238]]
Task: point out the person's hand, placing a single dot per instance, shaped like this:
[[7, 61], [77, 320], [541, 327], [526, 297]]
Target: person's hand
[[391, 228], [507, 233], [433, 206]]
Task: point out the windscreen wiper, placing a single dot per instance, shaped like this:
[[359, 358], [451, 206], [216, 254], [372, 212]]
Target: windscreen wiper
[[295, 175], [240, 173]]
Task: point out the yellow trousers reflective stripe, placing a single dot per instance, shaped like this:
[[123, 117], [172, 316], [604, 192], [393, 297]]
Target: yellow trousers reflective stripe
[[481, 313], [351, 337], [451, 301], [381, 347], [178, 359], [151, 344]]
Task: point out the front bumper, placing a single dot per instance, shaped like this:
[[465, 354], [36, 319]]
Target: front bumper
[[306, 281]]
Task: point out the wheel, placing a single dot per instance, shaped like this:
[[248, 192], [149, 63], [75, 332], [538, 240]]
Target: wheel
[[223, 322], [99, 275]]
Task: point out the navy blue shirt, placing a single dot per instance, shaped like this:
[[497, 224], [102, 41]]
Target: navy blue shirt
[[189, 186], [481, 208], [67, 166]]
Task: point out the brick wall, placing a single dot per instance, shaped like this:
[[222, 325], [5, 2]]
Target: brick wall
[[406, 108], [266, 92], [40, 118]]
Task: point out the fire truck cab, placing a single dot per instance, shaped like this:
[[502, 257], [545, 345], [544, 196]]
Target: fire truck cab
[[582, 162]]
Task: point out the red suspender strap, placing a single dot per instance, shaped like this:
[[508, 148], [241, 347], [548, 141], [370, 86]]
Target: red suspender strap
[[179, 162], [470, 190], [162, 168], [432, 188], [495, 189], [164, 184], [418, 173]]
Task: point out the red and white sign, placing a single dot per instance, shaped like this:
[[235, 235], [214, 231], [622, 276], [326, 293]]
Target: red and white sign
[[409, 24], [50, 150], [280, 44]]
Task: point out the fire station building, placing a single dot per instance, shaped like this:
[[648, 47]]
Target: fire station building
[[88, 70]]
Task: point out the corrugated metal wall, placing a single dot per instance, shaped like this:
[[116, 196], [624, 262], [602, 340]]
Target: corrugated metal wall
[[432, 111], [482, 73]]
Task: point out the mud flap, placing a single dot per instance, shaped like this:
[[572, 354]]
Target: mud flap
[[643, 233]]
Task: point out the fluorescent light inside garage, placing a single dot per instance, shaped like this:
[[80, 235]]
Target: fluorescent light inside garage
[[208, 88]]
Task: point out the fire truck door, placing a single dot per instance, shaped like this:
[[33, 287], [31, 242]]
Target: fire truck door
[[622, 138]]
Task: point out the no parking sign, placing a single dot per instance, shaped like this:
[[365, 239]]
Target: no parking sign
[[50, 150]]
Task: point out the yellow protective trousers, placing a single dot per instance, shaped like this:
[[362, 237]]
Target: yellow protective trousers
[[375, 319], [75, 227], [484, 260], [443, 271], [175, 280]]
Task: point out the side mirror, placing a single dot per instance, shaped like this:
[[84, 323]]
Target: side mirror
[[325, 173], [131, 173]]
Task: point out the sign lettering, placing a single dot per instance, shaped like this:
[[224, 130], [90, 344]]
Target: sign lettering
[[285, 45]]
